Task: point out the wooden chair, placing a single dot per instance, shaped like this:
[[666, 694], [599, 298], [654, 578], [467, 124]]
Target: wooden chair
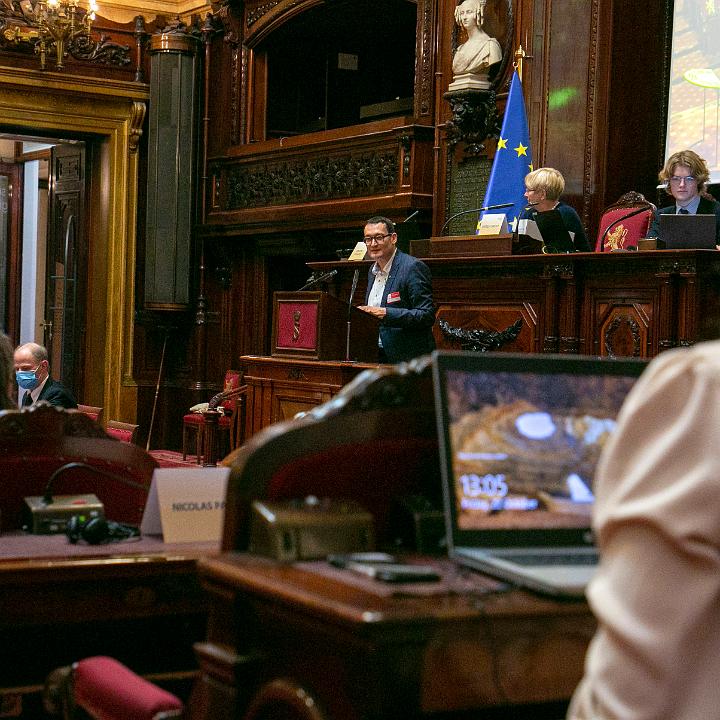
[[125, 432], [230, 400], [94, 413], [375, 443], [42, 441], [104, 689], [624, 223]]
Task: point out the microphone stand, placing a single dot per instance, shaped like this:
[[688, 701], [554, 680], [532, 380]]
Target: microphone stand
[[356, 276], [473, 210], [637, 211], [317, 280]]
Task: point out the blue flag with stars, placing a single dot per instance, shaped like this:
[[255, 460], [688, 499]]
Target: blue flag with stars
[[513, 160]]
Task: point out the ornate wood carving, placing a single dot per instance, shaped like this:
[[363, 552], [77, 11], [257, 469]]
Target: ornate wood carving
[[18, 33], [137, 116], [474, 119], [310, 180], [590, 110], [424, 85], [622, 337], [254, 15], [481, 340]]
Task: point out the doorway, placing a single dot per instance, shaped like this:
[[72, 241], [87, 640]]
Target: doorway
[[45, 264]]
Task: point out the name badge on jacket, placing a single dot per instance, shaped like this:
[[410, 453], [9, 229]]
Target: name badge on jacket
[[393, 297]]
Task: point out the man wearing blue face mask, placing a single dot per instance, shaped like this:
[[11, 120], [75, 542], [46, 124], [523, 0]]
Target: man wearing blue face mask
[[32, 372]]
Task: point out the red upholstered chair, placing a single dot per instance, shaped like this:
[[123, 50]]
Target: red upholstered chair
[[93, 412], [623, 224], [104, 689], [124, 432], [229, 400], [43, 442]]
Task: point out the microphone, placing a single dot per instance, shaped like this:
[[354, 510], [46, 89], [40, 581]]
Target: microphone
[[411, 216], [47, 497], [637, 211], [316, 280], [474, 210], [356, 276], [530, 206]]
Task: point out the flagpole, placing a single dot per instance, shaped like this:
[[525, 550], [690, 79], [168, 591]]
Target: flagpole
[[520, 54]]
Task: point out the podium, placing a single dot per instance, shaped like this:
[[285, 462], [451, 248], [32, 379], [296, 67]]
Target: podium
[[313, 325], [464, 246]]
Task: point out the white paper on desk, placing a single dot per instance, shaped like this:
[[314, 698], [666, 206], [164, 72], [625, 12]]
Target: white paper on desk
[[186, 504], [530, 228]]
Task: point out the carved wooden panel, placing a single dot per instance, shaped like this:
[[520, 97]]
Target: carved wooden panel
[[490, 317], [623, 329]]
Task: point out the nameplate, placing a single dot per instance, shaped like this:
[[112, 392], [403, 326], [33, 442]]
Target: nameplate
[[186, 504], [358, 252], [493, 224]]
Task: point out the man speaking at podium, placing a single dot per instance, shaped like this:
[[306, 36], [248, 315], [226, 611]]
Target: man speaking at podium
[[399, 294]]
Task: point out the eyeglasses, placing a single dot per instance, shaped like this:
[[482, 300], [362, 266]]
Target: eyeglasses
[[377, 239], [678, 179]]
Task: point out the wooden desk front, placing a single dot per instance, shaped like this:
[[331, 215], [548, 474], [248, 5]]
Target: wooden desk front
[[278, 631], [280, 387], [609, 304], [138, 601]]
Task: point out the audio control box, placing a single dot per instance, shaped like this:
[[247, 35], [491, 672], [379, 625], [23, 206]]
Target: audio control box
[[48, 518]]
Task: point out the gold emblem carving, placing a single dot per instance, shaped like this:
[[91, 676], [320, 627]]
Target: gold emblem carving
[[616, 239], [296, 326]]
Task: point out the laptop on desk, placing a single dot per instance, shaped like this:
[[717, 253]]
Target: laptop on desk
[[688, 232], [520, 437]]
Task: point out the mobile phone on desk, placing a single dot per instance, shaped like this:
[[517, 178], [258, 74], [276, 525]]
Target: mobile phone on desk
[[344, 559], [395, 572]]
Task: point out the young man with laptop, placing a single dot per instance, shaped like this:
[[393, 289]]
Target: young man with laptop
[[693, 220]]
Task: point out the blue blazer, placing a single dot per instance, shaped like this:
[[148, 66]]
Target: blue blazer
[[406, 329], [56, 393], [706, 207]]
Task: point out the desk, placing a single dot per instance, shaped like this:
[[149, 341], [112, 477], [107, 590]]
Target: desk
[[352, 654], [280, 387], [611, 304], [138, 601]]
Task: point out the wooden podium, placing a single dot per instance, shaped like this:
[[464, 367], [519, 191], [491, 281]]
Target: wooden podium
[[313, 325], [464, 246]]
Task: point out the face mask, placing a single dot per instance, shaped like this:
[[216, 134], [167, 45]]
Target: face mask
[[26, 379]]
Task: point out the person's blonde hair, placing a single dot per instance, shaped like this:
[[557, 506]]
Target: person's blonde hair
[[6, 372], [548, 179], [688, 158]]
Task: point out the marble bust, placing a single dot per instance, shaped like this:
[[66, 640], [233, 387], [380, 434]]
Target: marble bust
[[473, 58]]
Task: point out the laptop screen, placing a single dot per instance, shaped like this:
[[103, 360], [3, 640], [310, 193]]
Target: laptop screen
[[688, 232], [520, 437]]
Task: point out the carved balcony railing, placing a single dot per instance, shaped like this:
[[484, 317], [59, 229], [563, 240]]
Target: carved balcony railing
[[338, 177]]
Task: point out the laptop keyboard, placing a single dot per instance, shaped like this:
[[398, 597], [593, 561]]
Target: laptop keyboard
[[550, 558]]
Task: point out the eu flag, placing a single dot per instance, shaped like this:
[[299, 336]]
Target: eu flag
[[513, 160]]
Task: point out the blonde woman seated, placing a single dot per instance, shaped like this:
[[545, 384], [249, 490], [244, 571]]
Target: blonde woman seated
[[547, 218]]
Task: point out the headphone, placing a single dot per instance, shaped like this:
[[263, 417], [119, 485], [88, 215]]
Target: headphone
[[98, 530]]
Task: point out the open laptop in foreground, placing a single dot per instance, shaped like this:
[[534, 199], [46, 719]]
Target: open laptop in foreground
[[520, 437], [688, 232]]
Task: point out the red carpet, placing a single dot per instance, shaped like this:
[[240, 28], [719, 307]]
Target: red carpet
[[170, 458]]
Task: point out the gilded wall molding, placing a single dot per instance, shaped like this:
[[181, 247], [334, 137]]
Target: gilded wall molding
[[51, 105]]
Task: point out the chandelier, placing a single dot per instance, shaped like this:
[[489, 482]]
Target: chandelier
[[55, 25]]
